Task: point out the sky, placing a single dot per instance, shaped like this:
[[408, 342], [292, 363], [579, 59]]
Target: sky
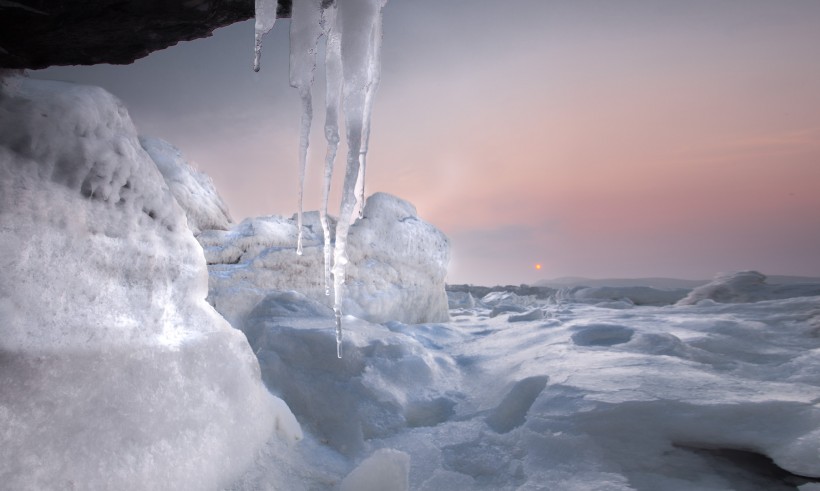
[[597, 138]]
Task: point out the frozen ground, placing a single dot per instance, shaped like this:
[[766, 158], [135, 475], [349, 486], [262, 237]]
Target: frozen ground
[[569, 396]]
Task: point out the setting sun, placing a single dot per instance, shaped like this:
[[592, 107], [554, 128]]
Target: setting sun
[[538, 266]]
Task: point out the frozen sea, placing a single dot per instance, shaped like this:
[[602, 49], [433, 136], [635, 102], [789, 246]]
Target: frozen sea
[[520, 393]]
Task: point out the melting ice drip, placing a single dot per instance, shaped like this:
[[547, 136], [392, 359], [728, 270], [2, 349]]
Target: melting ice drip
[[352, 30]]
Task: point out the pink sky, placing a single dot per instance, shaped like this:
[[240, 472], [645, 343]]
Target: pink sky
[[596, 138]]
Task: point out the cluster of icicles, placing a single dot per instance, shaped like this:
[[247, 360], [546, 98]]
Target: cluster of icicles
[[352, 32]]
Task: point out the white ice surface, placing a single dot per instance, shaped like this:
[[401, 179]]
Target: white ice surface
[[193, 190], [585, 397], [114, 371]]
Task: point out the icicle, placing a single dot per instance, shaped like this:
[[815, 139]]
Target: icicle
[[357, 24], [353, 35], [265, 12], [305, 30], [374, 75], [333, 76]]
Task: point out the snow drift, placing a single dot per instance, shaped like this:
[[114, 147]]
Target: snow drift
[[114, 371]]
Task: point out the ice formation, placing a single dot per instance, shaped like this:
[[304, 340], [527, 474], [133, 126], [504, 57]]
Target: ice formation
[[398, 264], [746, 286], [193, 190], [353, 69], [114, 371], [305, 30]]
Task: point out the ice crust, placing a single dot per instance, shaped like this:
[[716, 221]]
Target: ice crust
[[396, 272], [114, 371]]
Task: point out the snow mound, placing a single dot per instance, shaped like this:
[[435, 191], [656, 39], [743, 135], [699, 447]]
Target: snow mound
[[386, 382], [745, 287], [193, 190], [114, 371], [397, 264]]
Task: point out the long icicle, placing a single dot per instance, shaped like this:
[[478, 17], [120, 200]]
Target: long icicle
[[305, 30], [374, 77], [356, 21], [333, 76]]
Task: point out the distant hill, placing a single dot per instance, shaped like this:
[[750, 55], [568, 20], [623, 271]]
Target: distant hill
[[573, 281], [670, 283]]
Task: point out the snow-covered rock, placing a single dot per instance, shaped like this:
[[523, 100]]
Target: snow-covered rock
[[192, 189], [396, 272], [746, 286], [114, 371]]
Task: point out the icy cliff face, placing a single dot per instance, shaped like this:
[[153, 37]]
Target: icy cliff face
[[194, 191], [396, 272], [114, 371]]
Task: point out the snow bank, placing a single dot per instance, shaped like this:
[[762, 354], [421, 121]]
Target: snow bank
[[397, 264], [746, 286], [193, 190], [114, 371]]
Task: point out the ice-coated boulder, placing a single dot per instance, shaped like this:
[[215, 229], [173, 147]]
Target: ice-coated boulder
[[193, 190], [396, 272], [744, 287], [115, 373]]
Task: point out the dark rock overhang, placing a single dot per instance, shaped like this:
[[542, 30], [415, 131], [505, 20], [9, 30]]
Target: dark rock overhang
[[40, 33]]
